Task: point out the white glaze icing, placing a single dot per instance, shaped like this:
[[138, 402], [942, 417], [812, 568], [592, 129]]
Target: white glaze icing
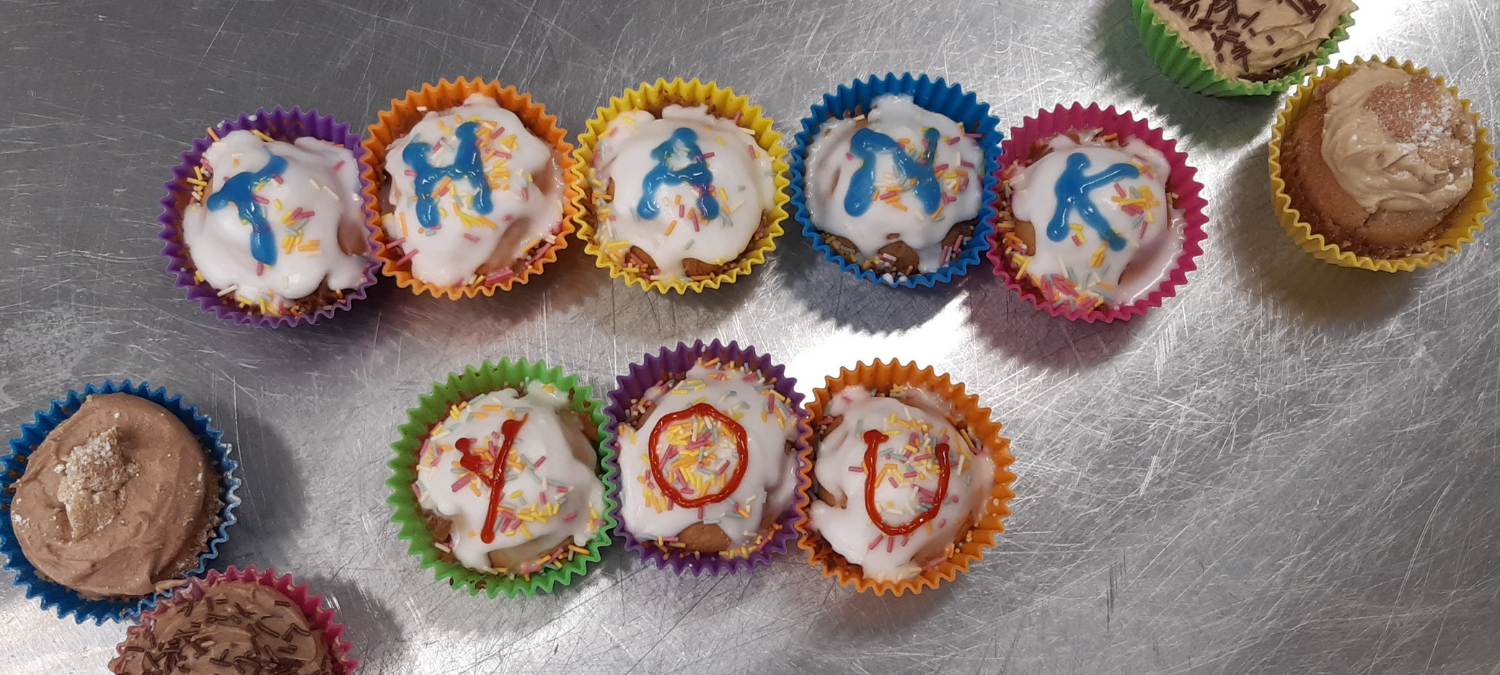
[[915, 423], [526, 193], [553, 496], [1135, 208], [321, 179], [769, 482], [959, 163], [1431, 172], [743, 183]]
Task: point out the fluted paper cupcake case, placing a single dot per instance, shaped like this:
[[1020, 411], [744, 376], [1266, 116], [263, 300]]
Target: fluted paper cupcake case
[[61, 599], [881, 376], [1185, 190], [722, 102], [949, 100], [431, 409], [672, 363], [318, 617], [1466, 219], [282, 125], [404, 114], [1181, 64]]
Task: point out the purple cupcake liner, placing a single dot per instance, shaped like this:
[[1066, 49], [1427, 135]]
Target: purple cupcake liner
[[672, 363], [279, 124]]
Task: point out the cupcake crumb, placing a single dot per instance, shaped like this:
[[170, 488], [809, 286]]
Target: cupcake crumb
[[93, 474]]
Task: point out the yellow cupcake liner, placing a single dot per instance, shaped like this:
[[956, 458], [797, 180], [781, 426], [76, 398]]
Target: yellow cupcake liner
[[881, 376], [1466, 219], [405, 113], [721, 102]]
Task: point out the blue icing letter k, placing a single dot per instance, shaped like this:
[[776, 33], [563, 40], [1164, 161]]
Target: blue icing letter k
[[1073, 189], [467, 165], [696, 174], [240, 191]]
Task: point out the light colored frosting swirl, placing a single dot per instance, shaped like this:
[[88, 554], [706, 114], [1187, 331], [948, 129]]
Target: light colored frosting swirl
[[1397, 142], [1249, 38]]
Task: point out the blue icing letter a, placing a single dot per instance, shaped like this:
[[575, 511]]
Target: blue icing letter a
[[866, 145], [240, 191], [467, 165], [695, 173], [1073, 189]]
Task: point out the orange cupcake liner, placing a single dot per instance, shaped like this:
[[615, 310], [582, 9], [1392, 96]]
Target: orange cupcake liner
[[405, 113], [721, 102], [1467, 218], [881, 376]]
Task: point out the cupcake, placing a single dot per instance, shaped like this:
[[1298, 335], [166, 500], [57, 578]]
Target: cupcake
[[498, 479], [910, 478], [266, 223], [709, 454], [1380, 161], [115, 501], [685, 186], [1240, 47], [236, 622], [896, 191], [1094, 222], [475, 187]]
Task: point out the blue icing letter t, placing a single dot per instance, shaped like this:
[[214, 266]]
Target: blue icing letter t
[[240, 191], [467, 165], [1073, 189], [696, 174]]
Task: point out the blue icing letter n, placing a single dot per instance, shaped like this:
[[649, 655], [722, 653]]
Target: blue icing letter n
[[467, 165], [866, 145], [1072, 191], [695, 173], [240, 191]]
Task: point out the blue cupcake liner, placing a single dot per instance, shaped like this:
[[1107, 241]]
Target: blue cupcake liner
[[938, 96], [65, 601]]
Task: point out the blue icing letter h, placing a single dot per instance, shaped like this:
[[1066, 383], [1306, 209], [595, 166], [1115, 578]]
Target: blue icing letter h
[[1073, 189], [240, 191], [467, 165], [868, 143], [696, 174]]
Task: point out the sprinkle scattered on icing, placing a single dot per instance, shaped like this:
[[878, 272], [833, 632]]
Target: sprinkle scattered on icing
[[907, 481], [515, 474], [686, 184], [1097, 225], [899, 173], [699, 456], [474, 195], [265, 220]]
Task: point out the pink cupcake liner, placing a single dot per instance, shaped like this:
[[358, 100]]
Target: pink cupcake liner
[[672, 363], [311, 605], [282, 125], [1185, 189]]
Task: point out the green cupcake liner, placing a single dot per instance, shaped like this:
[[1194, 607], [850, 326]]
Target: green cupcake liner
[[1185, 67], [433, 408]]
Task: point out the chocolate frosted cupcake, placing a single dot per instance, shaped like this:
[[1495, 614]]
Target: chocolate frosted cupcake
[[1240, 47], [1379, 159]]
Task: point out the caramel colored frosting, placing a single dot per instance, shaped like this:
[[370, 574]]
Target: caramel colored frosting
[[1397, 142], [117, 500], [229, 628], [1252, 39]]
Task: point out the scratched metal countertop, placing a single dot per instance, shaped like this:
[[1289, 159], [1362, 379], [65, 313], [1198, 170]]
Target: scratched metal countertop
[[1290, 467]]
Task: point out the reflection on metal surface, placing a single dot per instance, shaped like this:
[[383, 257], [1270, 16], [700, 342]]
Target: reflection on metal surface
[[1289, 467]]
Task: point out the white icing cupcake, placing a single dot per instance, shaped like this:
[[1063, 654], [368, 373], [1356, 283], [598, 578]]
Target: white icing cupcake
[[689, 191], [474, 195], [898, 174], [720, 441], [277, 221], [1096, 220], [547, 502], [931, 482]]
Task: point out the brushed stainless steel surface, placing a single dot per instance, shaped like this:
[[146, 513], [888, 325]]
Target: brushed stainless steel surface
[[1290, 467]]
